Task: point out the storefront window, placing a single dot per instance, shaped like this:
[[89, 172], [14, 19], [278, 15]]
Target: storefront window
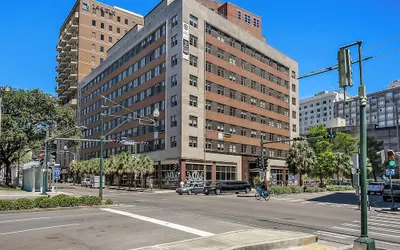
[[277, 177], [169, 177], [226, 173]]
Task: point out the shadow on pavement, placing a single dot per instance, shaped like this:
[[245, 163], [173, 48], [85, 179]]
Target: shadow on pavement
[[337, 198]]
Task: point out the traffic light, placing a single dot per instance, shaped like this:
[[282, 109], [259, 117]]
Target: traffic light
[[391, 158], [344, 68], [329, 136], [265, 164], [298, 138], [258, 162]]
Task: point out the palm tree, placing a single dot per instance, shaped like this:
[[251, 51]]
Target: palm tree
[[373, 147], [108, 170], [122, 165], [300, 159], [146, 166], [132, 170], [343, 164]]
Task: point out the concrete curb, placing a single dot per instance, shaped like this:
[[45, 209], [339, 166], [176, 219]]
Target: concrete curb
[[249, 239], [387, 211]]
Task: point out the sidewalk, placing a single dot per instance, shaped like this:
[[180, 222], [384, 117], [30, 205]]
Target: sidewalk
[[14, 195], [242, 240], [143, 190]]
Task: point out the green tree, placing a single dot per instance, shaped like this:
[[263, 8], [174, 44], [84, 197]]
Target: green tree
[[325, 165], [342, 166], [344, 146], [146, 167], [26, 115], [373, 147], [300, 159]]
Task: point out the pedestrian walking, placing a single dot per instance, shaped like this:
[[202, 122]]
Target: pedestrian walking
[[151, 183]]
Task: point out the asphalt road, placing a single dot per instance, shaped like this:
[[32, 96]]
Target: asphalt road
[[144, 219]]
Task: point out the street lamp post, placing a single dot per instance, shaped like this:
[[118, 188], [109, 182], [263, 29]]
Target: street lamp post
[[101, 150]]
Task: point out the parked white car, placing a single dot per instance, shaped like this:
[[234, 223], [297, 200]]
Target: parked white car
[[85, 182], [376, 187]]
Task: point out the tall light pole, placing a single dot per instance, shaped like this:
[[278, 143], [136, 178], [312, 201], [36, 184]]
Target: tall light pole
[[6, 89], [101, 148]]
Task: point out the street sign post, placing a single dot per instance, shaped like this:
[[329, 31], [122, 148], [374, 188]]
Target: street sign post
[[57, 176], [390, 172]]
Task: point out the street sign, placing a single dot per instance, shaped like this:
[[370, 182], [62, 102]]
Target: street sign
[[355, 161], [390, 172], [127, 142], [57, 169], [155, 135]]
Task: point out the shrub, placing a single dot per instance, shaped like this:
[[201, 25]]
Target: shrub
[[296, 189], [280, 190], [108, 202], [46, 202], [90, 200], [66, 201], [24, 203], [335, 188], [314, 190], [6, 205]]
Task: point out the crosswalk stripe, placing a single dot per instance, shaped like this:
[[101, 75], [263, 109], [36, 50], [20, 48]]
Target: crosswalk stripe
[[372, 228], [371, 232], [385, 221], [335, 235], [389, 218]]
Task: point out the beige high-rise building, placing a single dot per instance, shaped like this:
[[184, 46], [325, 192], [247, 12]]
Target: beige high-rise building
[[218, 88], [89, 30]]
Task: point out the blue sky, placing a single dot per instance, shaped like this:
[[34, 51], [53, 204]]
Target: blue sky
[[309, 31]]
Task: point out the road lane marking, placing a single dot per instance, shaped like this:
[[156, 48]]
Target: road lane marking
[[385, 221], [374, 228], [386, 217], [37, 229], [10, 221], [295, 200], [160, 222]]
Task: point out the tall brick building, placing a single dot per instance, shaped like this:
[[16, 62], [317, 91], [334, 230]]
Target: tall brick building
[[219, 87]]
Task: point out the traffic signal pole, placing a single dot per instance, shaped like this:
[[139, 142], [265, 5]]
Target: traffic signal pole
[[101, 151], [44, 170]]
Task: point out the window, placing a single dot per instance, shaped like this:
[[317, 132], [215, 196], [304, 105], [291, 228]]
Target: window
[[173, 142], [102, 13], [293, 101], [256, 23], [193, 80], [220, 90], [221, 72], [232, 59], [174, 60], [243, 81], [102, 37], [220, 53], [193, 100], [118, 30], [174, 21], [239, 15], [174, 121], [208, 86], [253, 101], [232, 94], [174, 101], [193, 60], [193, 40], [294, 128], [220, 108], [110, 39], [253, 84], [232, 111], [101, 49], [208, 48], [208, 67], [118, 19], [110, 27], [243, 114], [293, 87], [193, 21], [193, 121], [232, 77], [243, 97], [93, 23], [174, 41], [110, 15], [208, 105], [293, 74], [220, 147], [174, 81], [126, 21], [247, 18], [193, 141], [102, 25]]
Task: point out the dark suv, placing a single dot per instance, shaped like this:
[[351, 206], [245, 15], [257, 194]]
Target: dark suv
[[386, 195], [227, 187]]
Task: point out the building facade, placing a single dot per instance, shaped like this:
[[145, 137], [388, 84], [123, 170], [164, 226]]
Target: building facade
[[381, 113], [219, 88], [89, 30], [318, 109]]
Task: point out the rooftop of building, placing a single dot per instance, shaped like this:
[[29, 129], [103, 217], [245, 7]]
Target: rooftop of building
[[321, 95]]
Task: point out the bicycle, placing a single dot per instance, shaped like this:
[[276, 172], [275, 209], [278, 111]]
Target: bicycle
[[262, 193]]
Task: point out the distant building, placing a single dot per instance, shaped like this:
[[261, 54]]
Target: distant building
[[318, 109], [381, 116], [87, 33]]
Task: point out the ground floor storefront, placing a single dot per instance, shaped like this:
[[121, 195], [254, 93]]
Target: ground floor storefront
[[168, 174]]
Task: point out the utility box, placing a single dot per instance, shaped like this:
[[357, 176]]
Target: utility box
[[95, 181]]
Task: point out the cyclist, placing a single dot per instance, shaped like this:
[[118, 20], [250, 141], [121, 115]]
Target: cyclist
[[263, 189]]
